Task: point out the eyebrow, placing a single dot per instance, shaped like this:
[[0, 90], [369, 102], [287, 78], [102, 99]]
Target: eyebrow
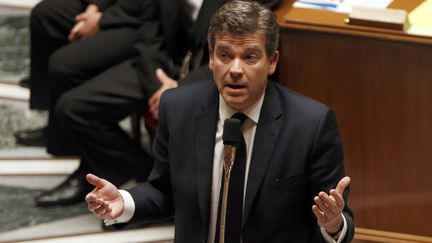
[[247, 47]]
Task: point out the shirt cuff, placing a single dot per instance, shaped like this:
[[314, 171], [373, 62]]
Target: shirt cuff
[[128, 212], [339, 236]]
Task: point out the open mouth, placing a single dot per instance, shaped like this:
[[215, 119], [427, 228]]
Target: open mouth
[[236, 86]]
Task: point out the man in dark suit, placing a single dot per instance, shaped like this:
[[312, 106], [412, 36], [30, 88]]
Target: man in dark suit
[[87, 107], [293, 148]]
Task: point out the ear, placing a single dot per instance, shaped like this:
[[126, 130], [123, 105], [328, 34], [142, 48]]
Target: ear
[[273, 59], [211, 59]]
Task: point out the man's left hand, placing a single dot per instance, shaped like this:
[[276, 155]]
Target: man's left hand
[[87, 24], [328, 208]]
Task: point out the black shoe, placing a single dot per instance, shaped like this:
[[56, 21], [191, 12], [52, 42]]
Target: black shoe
[[25, 83], [71, 191], [34, 137]]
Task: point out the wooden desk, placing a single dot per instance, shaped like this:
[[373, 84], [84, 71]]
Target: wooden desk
[[379, 82]]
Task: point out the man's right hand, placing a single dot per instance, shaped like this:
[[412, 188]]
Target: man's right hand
[[167, 83], [105, 201]]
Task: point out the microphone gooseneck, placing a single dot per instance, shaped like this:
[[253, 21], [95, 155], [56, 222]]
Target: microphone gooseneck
[[231, 138]]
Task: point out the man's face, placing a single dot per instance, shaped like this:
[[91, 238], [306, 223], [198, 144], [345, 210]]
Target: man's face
[[240, 68]]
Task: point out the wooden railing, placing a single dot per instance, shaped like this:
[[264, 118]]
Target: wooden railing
[[368, 235]]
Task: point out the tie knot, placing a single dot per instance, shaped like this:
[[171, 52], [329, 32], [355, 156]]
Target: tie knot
[[240, 116]]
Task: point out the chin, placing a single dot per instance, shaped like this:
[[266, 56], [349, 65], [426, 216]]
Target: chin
[[238, 106]]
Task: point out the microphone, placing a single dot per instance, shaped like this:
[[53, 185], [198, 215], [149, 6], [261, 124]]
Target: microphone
[[231, 138]]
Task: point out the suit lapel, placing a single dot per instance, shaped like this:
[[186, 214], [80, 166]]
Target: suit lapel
[[267, 133], [206, 121]]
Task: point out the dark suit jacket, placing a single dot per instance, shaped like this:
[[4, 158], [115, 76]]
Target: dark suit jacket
[[297, 153], [102, 4], [129, 13]]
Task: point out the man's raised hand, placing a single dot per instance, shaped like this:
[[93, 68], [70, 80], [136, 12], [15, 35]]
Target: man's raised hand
[[328, 208], [105, 201]]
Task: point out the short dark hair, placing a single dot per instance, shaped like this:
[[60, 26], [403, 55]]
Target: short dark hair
[[241, 17]]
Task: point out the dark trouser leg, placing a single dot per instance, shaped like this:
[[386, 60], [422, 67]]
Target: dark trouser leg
[[91, 112], [50, 23], [75, 64]]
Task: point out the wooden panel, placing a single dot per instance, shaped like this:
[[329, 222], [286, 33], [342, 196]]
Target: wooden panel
[[381, 90], [327, 21], [367, 235]]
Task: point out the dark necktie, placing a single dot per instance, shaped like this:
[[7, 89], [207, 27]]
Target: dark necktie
[[235, 193]]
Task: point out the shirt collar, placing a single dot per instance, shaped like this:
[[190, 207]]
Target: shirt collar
[[253, 112]]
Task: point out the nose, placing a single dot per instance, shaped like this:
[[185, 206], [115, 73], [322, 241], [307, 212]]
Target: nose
[[236, 69]]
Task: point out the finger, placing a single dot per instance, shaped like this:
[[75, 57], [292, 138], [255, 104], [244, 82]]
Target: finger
[[72, 36], [320, 215], [162, 76], [330, 205], [82, 16], [96, 181], [90, 197], [74, 33], [339, 200], [103, 206], [92, 205], [343, 183], [79, 17], [75, 29], [107, 214], [153, 99], [319, 203], [324, 207]]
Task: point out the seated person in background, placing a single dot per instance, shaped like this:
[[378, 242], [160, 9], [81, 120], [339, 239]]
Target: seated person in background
[[86, 107], [74, 39], [55, 24], [293, 186]]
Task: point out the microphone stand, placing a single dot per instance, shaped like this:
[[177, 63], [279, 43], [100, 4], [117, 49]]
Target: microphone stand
[[229, 155]]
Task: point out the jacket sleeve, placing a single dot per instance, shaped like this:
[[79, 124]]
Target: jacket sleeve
[[326, 166], [130, 13], [102, 4]]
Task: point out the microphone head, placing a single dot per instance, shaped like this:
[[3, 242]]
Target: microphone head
[[231, 131]]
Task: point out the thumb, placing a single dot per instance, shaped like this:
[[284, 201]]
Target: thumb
[[80, 17], [96, 181], [162, 76], [343, 184]]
